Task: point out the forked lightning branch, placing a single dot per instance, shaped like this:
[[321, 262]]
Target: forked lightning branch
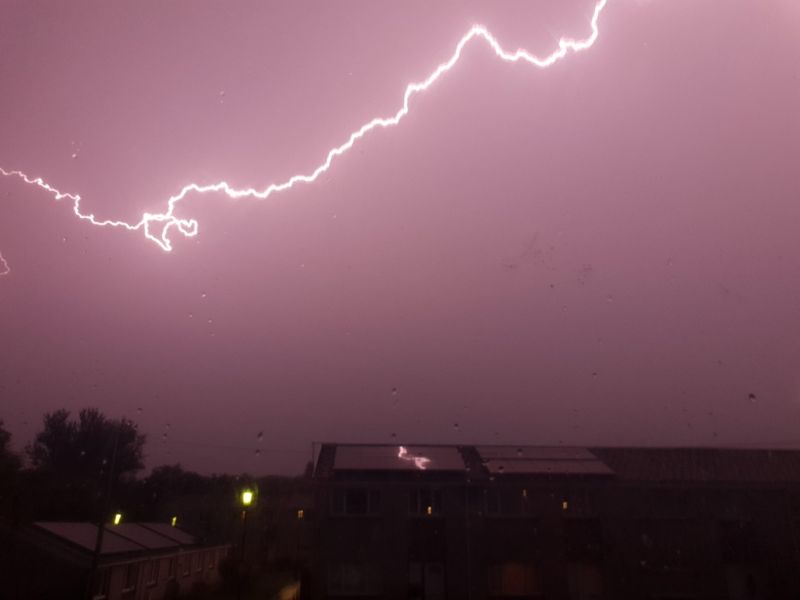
[[158, 226]]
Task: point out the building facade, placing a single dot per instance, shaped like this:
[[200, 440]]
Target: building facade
[[137, 561], [480, 522]]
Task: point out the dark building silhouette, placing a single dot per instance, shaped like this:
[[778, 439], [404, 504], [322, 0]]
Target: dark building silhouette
[[137, 561], [478, 522]]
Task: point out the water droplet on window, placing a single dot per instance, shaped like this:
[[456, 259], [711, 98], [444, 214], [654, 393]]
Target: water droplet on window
[[63, 239], [139, 410], [203, 295], [500, 469], [594, 373], [752, 397], [74, 155], [394, 435], [455, 426], [260, 436], [519, 452], [258, 452], [609, 298], [210, 321], [191, 315], [394, 392]]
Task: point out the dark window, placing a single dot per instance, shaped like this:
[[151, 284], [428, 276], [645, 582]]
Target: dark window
[[509, 502], [151, 572], [101, 584], [131, 579], [585, 581], [353, 580], [515, 579], [355, 502], [738, 541], [584, 539]]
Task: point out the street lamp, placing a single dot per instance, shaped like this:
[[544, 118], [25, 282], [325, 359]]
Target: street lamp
[[117, 518], [247, 498]]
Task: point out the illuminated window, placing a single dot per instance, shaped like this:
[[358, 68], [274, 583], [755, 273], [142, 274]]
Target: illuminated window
[[425, 501], [301, 514]]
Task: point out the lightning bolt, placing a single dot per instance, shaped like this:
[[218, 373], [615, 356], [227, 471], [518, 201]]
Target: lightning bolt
[[4, 268], [167, 221], [421, 462]]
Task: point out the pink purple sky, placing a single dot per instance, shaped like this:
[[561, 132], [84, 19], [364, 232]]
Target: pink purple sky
[[605, 252]]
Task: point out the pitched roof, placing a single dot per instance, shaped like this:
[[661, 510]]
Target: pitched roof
[[117, 539]]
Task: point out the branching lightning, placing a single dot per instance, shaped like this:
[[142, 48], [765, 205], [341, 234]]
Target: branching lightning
[[166, 221], [421, 462]]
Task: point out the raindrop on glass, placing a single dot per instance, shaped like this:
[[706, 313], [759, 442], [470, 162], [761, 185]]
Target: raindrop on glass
[[204, 295], [260, 436], [752, 397]]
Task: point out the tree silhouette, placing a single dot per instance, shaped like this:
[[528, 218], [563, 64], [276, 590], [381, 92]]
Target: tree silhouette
[[72, 462], [85, 448], [9, 461]]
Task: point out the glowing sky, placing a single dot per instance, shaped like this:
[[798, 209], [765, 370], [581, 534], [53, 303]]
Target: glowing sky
[[602, 252]]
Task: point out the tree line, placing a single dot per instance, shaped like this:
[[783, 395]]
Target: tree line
[[84, 467]]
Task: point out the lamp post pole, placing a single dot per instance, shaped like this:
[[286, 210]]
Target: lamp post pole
[[98, 543], [247, 501]]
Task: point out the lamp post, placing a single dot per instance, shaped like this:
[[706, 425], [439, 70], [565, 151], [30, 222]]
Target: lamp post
[[247, 498]]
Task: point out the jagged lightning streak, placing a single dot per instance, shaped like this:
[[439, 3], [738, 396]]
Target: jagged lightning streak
[[421, 462], [4, 268], [150, 222]]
